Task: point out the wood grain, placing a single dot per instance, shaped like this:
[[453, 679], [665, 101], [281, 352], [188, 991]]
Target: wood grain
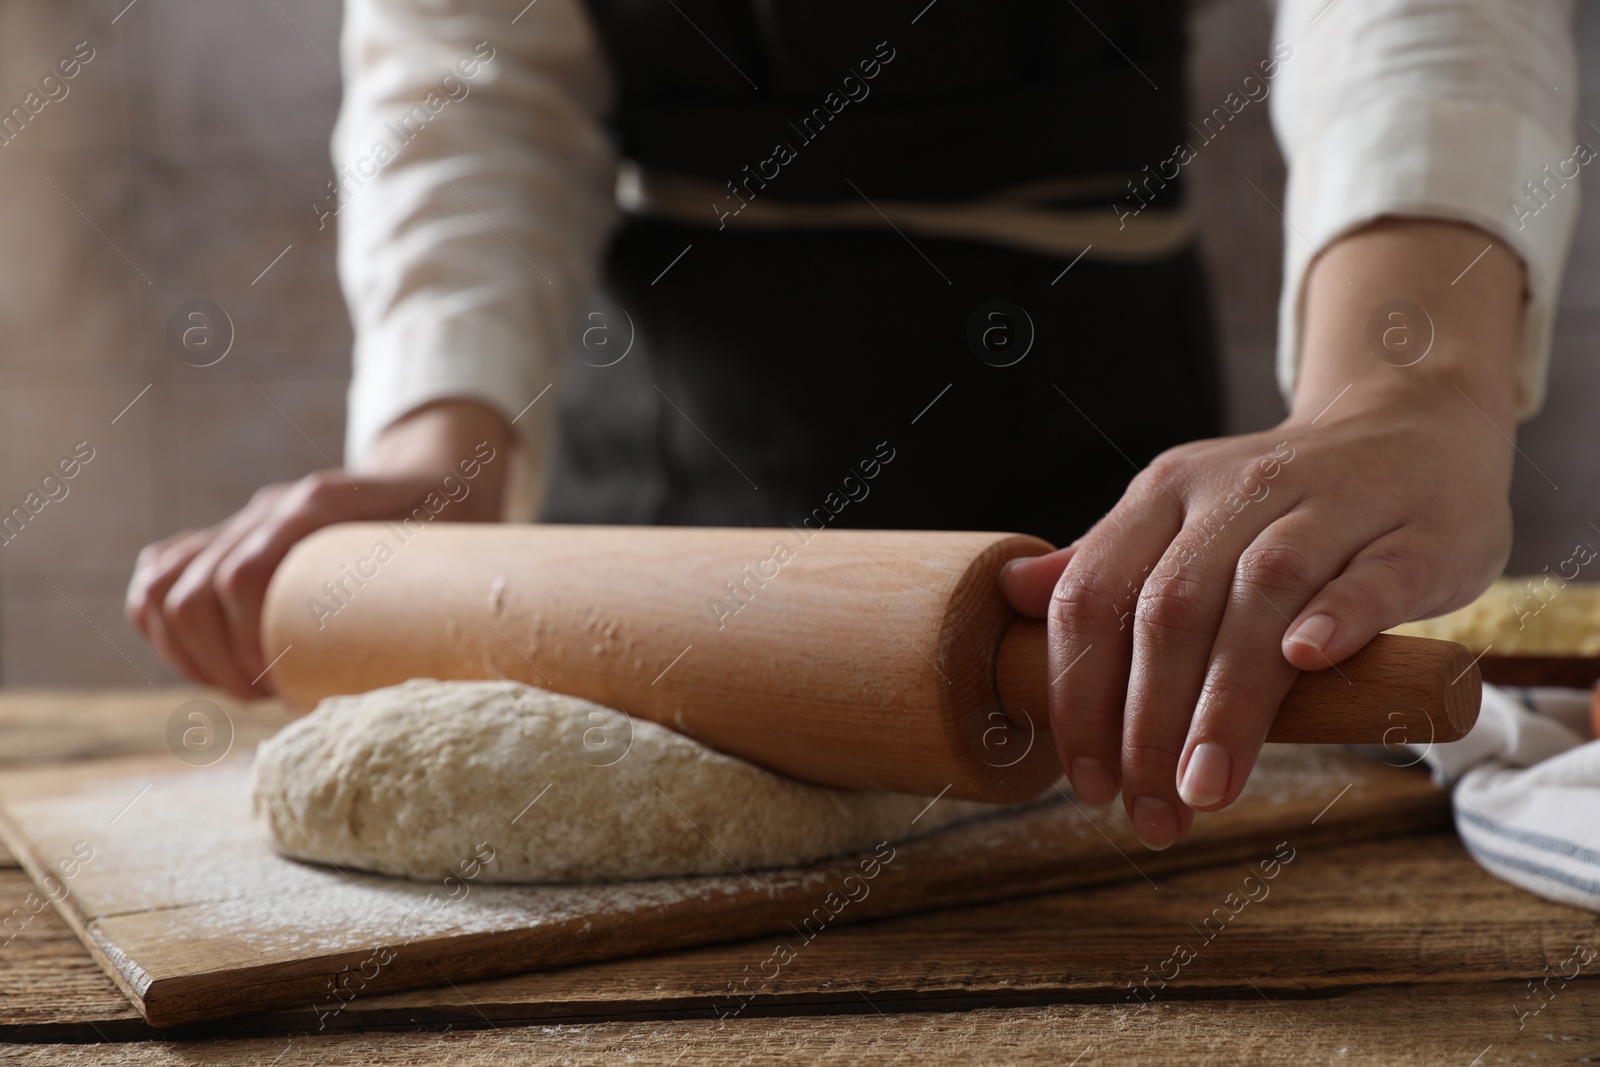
[[855, 658], [1395, 690], [1414, 915], [68, 725], [1338, 917], [1466, 1025], [195, 917], [1574, 672]]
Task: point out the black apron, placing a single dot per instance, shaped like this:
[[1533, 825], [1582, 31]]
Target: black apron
[[857, 377]]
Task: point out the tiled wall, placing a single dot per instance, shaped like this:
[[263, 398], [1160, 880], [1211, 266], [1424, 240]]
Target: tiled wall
[[178, 167]]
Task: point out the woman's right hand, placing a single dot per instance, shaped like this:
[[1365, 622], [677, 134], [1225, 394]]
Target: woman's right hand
[[197, 595]]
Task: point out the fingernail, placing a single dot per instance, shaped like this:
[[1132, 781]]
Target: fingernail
[[1155, 822], [1205, 779], [1091, 780], [1315, 631]]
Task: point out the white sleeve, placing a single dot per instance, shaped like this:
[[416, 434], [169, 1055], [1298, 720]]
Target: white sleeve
[[474, 209], [1452, 109]]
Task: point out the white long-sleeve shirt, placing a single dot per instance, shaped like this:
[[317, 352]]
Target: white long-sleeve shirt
[[478, 188]]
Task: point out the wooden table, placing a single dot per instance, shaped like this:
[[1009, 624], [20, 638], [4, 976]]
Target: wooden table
[[1395, 951]]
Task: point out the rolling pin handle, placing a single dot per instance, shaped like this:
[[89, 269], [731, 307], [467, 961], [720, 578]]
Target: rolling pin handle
[[1397, 690]]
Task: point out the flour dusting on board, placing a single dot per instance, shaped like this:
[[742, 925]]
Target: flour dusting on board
[[188, 842], [184, 879]]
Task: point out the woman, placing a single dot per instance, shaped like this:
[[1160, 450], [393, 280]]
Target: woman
[[947, 241]]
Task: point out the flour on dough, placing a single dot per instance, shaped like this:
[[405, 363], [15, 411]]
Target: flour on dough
[[411, 779]]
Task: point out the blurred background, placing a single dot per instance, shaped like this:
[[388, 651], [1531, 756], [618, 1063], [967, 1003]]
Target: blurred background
[[179, 167]]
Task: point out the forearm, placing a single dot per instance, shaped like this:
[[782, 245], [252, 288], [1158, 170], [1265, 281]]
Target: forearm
[[1465, 288], [1391, 109], [466, 248], [436, 439]]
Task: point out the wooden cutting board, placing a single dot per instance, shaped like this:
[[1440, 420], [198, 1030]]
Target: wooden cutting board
[[186, 907]]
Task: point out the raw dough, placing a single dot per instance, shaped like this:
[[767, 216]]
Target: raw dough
[[412, 780]]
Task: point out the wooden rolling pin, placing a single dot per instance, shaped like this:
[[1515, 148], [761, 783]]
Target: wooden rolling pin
[[863, 659]]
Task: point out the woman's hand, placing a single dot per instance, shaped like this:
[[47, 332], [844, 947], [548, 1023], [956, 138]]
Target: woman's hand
[[1178, 623], [197, 596]]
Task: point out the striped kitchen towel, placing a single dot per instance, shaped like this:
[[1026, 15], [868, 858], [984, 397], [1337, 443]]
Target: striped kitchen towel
[[1527, 791]]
